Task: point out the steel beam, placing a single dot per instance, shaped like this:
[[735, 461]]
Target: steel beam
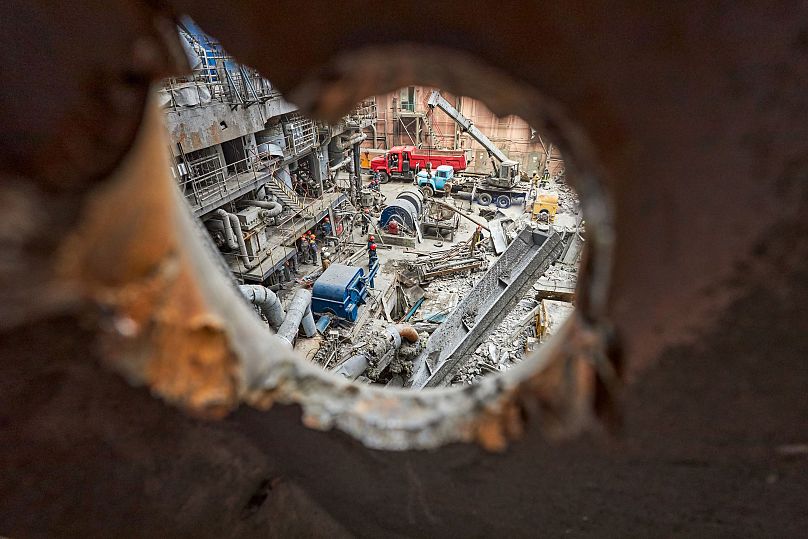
[[526, 258]]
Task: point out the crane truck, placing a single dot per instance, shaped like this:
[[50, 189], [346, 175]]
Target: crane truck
[[502, 187]]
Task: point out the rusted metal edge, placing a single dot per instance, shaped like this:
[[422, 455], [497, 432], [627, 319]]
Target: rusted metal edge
[[179, 327]]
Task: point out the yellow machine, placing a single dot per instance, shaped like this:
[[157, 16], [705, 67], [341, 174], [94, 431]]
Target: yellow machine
[[545, 207], [367, 155]]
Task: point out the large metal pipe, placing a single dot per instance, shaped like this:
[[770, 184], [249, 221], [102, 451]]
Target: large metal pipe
[[384, 349], [298, 310], [268, 302], [356, 139], [229, 236], [272, 208], [340, 164], [309, 327], [242, 247], [353, 367], [373, 127]]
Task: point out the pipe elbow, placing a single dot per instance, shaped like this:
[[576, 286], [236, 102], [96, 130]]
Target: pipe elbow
[[407, 332]]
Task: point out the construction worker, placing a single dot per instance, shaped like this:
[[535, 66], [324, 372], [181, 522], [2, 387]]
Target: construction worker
[[326, 226], [304, 249], [325, 260], [476, 237], [312, 250], [365, 221], [373, 257], [371, 241]]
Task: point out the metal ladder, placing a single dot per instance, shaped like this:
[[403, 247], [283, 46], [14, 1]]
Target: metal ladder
[[288, 197], [437, 140]]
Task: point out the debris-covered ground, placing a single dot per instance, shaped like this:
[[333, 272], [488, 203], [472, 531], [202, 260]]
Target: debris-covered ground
[[507, 345], [503, 348], [424, 299], [567, 198]]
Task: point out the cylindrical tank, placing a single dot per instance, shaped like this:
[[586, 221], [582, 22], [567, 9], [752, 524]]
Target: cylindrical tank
[[415, 197], [403, 210]]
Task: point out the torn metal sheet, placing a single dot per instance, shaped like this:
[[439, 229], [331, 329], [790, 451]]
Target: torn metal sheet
[[499, 238]]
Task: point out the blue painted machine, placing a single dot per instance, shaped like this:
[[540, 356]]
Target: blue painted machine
[[341, 289], [403, 209]]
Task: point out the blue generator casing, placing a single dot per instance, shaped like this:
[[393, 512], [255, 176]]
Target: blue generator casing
[[340, 290], [403, 210]]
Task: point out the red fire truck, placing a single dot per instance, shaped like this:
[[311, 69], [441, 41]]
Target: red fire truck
[[404, 162]]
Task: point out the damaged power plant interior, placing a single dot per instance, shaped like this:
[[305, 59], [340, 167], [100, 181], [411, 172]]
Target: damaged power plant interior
[[369, 244], [536, 269]]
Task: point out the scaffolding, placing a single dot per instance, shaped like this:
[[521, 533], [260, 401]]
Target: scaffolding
[[216, 78]]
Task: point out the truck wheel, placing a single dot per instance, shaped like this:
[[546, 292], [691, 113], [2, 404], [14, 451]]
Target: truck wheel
[[384, 177], [428, 191], [503, 201], [484, 199]]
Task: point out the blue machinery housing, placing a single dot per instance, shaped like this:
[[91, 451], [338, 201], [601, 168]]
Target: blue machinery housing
[[341, 289], [405, 209]]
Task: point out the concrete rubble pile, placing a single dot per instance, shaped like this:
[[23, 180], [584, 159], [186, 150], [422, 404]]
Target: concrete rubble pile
[[567, 198], [508, 344]]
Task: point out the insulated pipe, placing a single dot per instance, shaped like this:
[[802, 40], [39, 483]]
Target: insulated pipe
[[340, 164], [242, 247], [356, 139], [373, 127], [352, 367], [272, 208], [395, 337], [356, 365], [229, 236], [268, 302], [309, 327], [295, 313]]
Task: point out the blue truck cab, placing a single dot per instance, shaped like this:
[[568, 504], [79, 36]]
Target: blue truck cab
[[429, 184]]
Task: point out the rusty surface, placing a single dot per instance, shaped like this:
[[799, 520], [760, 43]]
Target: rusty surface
[[687, 140]]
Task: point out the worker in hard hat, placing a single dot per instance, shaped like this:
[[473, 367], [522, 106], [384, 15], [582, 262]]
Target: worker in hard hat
[[371, 240], [373, 256], [313, 248], [304, 250], [327, 226], [325, 259]]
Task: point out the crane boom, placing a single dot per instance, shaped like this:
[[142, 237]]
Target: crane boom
[[437, 100]]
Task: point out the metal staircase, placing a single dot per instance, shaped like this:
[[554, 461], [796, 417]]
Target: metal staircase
[[286, 195]]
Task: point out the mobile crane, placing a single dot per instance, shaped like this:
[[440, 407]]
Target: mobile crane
[[502, 186]]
